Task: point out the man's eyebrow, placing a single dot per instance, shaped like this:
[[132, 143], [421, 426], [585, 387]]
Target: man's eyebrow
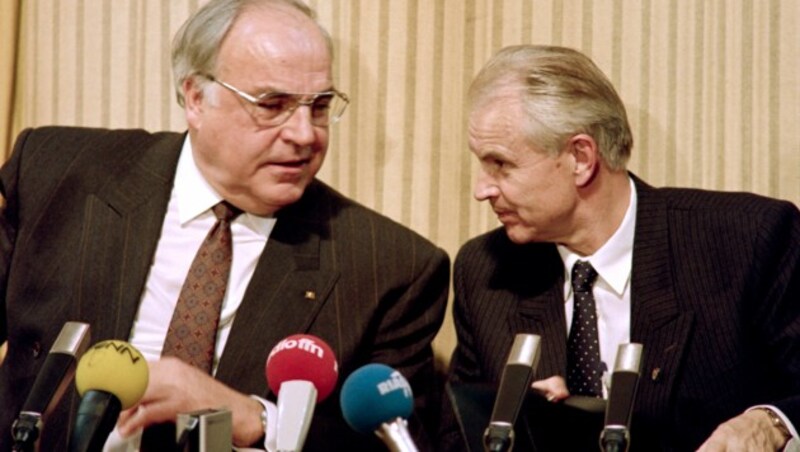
[[268, 89]]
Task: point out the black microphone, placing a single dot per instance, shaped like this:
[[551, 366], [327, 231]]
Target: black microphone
[[514, 386], [615, 436], [51, 382]]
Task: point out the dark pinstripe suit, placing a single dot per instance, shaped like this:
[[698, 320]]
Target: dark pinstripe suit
[[83, 216], [715, 299]]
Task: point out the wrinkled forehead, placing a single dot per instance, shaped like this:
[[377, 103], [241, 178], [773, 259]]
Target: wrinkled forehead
[[276, 30], [283, 48]]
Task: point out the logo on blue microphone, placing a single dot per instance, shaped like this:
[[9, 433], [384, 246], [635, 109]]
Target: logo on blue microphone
[[396, 382]]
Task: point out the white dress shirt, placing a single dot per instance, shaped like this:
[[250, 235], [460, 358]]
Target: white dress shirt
[[188, 220]]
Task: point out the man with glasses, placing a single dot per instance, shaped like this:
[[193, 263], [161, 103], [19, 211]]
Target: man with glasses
[[103, 226]]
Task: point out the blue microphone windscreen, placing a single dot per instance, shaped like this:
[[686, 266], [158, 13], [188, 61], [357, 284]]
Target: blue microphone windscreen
[[375, 394]]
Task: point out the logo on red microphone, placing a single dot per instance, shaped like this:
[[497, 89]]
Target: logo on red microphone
[[303, 343]]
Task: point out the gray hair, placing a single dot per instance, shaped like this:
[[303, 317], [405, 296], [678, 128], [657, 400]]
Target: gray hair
[[196, 45], [564, 93]]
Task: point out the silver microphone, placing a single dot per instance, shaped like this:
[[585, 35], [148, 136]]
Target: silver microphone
[[514, 384], [615, 436]]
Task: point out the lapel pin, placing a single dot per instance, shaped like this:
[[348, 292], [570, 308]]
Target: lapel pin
[[310, 295], [655, 375]]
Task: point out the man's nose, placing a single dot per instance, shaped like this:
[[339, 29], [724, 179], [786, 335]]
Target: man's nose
[[485, 188], [299, 128]]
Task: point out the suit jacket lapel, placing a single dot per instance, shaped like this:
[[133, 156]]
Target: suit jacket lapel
[[656, 318], [121, 229], [287, 291]]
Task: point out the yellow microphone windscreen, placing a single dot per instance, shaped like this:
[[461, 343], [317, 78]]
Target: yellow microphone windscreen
[[115, 367]]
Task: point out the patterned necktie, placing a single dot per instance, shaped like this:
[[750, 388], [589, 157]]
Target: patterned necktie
[[192, 332], [584, 368]]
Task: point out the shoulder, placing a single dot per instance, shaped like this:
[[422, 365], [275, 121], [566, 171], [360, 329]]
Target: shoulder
[[55, 144], [72, 136], [732, 211], [717, 226], [343, 217], [494, 242], [77, 160], [494, 255], [495, 245]]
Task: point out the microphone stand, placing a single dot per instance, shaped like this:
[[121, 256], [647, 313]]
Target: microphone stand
[[395, 435]]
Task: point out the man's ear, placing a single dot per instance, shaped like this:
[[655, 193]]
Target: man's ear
[[586, 157], [193, 97]]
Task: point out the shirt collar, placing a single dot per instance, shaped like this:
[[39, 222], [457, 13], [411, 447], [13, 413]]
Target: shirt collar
[[196, 196], [613, 261]]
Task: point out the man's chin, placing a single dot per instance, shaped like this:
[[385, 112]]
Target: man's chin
[[518, 234], [277, 197]]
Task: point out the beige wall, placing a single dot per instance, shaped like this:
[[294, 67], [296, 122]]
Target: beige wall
[[712, 87], [9, 20]]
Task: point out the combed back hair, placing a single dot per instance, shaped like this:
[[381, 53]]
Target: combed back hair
[[564, 93], [196, 45]]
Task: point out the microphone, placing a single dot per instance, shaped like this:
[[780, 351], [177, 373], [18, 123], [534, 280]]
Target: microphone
[[378, 399], [50, 384], [111, 376], [302, 370], [514, 386], [624, 381]]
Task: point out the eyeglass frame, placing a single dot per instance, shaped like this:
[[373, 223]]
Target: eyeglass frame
[[254, 100]]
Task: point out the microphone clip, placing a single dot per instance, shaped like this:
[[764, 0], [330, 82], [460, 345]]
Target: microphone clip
[[614, 438], [26, 430], [498, 437]]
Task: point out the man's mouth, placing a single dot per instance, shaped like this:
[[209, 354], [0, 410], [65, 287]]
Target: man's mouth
[[293, 163]]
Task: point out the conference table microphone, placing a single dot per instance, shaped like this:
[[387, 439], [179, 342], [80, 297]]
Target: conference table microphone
[[111, 376], [51, 382], [514, 385], [302, 370], [615, 436], [378, 399]]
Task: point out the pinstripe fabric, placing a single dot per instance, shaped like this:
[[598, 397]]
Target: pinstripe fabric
[[711, 88], [714, 299], [379, 290]]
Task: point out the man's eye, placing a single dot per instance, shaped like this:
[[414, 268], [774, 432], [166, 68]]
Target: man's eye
[[323, 103], [276, 104]]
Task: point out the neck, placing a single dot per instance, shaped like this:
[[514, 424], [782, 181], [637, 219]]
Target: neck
[[604, 203]]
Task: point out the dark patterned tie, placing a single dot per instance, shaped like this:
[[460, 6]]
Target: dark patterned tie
[[192, 332], [584, 368]]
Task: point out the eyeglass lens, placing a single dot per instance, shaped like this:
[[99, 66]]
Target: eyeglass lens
[[277, 107]]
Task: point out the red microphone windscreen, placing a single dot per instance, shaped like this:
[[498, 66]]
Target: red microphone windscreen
[[303, 357]]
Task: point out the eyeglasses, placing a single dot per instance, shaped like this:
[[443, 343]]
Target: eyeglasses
[[275, 108]]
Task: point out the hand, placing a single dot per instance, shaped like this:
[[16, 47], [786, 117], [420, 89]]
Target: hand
[[553, 389], [748, 431], [176, 387]]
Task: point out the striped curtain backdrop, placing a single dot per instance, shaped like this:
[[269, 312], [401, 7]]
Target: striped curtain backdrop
[[712, 88]]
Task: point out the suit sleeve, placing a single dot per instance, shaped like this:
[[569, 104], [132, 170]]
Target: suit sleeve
[[777, 289], [9, 215], [412, 319], [464, 366]]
